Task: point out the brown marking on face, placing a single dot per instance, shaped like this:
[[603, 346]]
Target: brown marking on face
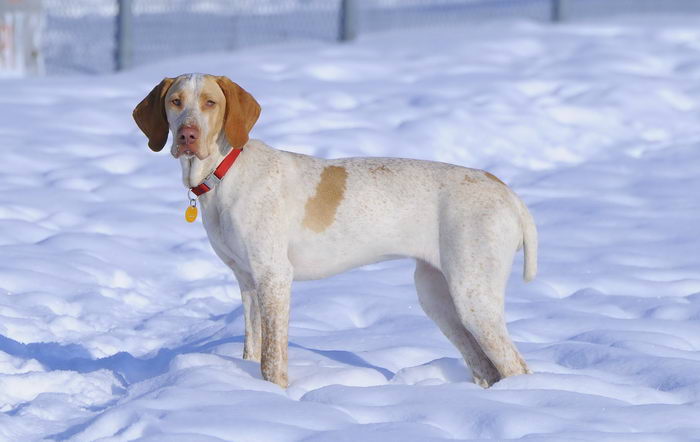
[[319, 212], [212, 102], [494, 178], [197, 105]]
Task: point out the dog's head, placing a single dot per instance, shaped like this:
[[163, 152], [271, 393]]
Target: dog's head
[[207, 115]]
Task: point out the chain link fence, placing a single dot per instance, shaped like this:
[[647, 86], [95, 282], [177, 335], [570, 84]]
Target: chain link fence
[[82, 35], [88, 36]]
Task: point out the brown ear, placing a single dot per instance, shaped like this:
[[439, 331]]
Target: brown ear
[[150, 116], [242, 111]]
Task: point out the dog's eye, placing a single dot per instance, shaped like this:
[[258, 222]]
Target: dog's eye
[[176, 102], [210, 103]]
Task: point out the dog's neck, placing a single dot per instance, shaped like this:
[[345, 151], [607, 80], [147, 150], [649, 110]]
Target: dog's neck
[[194, 170]]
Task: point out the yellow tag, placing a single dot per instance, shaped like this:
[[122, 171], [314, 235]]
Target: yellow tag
[[191, 214]]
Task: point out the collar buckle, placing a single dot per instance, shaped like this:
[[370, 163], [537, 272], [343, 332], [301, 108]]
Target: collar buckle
[[214, 178], [211, 180]]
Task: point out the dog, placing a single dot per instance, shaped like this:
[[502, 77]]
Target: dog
[[274, 216]]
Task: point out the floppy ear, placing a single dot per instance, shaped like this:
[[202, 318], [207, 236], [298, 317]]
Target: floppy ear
[[242, 111], [150, 116]]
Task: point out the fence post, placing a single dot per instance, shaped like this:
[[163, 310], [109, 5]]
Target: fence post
[[21, 26], [347, 26], [555, 11], [123, 47]]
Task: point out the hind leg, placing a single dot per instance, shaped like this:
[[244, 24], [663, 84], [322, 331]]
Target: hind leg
[[436, 301], [477, 285]]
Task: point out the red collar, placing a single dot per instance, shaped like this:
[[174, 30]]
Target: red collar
[[218, 174]]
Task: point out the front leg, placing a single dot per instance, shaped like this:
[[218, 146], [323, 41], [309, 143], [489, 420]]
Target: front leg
[[273, 286], [251, 313], [258, 229], [251, 310]]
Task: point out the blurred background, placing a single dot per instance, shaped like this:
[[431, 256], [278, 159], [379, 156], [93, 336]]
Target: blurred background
[[101, 36]]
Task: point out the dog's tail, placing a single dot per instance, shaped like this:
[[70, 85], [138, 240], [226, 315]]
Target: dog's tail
[[529, 243]]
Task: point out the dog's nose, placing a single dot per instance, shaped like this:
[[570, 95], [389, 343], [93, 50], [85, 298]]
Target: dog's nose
[[187, 135]]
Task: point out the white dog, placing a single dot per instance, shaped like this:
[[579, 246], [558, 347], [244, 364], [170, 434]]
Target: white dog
[[274, 216]]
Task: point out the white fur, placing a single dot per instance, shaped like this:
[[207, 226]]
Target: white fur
[[461, 225]]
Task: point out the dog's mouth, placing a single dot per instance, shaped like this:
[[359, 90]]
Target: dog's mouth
[[189, 152]]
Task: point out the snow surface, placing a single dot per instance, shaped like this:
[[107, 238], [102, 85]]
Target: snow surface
[[117, 322]]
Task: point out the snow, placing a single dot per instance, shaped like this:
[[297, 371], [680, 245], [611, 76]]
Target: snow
[[117, 321]]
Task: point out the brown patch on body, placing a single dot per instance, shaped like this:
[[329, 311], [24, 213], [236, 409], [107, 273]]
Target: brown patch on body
[[379, 169], [494, 178], [468, 179], [319, 212]]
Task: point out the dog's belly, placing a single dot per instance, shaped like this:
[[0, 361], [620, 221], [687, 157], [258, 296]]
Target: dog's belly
[[351, 245], [316, 261]]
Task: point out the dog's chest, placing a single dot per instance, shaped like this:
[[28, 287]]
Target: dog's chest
[[221, 231]]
